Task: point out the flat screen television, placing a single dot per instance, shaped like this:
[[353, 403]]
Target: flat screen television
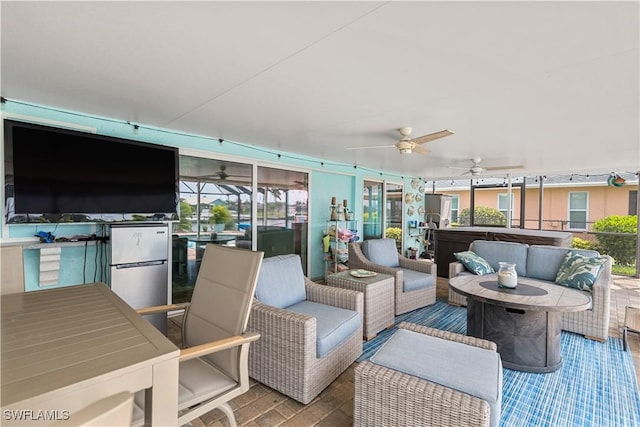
[[52, 172]]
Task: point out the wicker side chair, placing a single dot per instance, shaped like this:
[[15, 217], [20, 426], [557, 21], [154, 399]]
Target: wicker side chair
[[402, 269], [389, 397], [293, 315]]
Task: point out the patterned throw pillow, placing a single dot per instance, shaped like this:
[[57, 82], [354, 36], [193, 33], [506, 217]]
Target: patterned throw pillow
[[578, 271], [474, 263]]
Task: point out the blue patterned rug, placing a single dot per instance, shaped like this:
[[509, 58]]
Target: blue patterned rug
[[596, 385]]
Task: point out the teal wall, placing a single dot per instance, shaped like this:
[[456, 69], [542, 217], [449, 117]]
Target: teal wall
[[326, 185], [327, 179]]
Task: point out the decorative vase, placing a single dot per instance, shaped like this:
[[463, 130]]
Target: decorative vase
[[507, 275], [334, 214]]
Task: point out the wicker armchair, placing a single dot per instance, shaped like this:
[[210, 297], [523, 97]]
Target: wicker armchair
[[405, 301], [389, 397], [288, 358]]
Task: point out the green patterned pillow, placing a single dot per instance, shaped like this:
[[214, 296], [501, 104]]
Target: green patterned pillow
[[578, 271], [474, 263]]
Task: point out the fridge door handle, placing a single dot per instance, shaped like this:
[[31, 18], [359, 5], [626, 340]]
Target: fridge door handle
[[141, 264]]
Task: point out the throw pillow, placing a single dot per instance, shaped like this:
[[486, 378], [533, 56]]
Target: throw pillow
[[578, 271], [474, 263]]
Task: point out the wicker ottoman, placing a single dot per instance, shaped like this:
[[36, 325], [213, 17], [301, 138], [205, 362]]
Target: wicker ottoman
[[378, 299], [428, 377]]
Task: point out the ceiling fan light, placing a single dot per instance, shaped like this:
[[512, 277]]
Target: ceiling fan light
[[405, 150]]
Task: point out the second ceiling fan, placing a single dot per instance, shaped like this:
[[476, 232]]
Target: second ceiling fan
[[476, 169], [408, 145]]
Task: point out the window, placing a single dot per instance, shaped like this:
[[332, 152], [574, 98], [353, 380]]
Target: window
[[372, 210], [503, 204], [455, 203], [505, 209], [393, 213], [282, 213], [633, 202], [578, 203], [215, 207]]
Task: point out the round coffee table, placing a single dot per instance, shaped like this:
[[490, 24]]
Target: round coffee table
[[524, 322]]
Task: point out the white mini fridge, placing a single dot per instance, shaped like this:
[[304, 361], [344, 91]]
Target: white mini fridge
[[139, 271]]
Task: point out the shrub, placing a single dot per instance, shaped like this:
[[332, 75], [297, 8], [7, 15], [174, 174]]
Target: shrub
[[482, 215], [221, 215], [185, 216], [393, 233], [622, 245], [579, 243]]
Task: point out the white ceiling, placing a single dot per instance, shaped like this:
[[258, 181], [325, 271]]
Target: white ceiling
[[549, 85]]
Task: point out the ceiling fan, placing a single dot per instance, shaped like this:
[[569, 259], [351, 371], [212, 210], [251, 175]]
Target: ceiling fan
[[476, 169], [222, 175], [408, 145]]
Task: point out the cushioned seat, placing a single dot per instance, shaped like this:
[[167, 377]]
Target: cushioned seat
[[553, 264], [333, 324], [415, 280], [215, 340], [495, 252], [465, 368], [425, 376], [310, 333]]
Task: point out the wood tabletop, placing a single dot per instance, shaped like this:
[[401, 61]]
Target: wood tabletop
[[62, 337], [535, 295]]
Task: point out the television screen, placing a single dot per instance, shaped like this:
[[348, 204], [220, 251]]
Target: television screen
[[58, 171]]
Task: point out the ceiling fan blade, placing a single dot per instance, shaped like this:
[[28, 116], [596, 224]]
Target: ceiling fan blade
[[430, 137], [419, 149], [369, 146], [498, 168]]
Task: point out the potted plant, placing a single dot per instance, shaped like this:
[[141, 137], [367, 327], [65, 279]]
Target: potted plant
[[220, 216]]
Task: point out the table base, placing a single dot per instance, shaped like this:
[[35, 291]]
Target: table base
[[527, 340]]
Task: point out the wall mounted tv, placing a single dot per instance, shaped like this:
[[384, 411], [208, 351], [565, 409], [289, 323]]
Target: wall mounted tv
[[54, 174]]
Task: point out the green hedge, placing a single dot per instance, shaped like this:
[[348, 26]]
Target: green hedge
[[482, 215], [622, 248]]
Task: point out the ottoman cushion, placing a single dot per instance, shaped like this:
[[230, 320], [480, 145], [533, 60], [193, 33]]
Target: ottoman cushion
[[468, 369]]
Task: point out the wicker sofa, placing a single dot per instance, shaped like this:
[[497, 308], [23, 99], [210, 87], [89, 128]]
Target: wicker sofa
[[542, 262], [429, 377], [309, 333], [415, 281]]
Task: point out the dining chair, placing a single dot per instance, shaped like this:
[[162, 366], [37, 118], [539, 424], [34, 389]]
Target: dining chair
[[214, 357]]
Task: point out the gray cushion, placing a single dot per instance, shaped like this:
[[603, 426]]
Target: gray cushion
[[494, 252], [413, 280], [381, 252], [472, 370], [281, 281], [333, 324], [543, 262]]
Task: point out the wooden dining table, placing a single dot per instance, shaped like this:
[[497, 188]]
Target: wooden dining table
[[66, 348]]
